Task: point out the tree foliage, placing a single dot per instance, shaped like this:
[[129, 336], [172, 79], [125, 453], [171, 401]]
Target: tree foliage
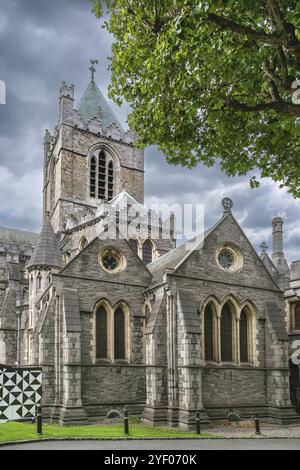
[[212, 80]]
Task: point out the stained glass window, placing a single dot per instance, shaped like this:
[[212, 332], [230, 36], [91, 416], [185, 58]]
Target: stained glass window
[[119, 334], [101, 333], [244, 337], [147, 252], [209, 333], [226, 334], [226, 259]]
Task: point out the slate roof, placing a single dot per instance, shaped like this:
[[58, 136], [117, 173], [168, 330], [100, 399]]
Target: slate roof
[[174, 258], [158, 305], [72, 312], [18, 236], [275, 316], [93, 104], [46, 252], [188, 308]]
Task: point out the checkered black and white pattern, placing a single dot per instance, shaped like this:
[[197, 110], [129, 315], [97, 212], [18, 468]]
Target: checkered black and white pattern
[[20, 393]]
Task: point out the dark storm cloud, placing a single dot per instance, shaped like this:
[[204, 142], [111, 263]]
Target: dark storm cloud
[[44, 42]]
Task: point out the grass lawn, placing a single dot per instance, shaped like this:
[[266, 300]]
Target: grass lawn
[[11, 432]]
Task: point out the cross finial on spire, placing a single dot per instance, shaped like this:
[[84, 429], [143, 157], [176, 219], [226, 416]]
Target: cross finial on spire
[[92, 68], [264, 247]]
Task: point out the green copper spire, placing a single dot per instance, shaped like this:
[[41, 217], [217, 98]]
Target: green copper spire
[[93, 104]]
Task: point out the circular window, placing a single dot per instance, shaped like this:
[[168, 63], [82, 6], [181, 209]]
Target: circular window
[[112, 261], [229, 258], [226, 259]]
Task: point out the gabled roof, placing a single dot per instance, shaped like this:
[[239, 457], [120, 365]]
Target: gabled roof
[[46, 252], [94, 105], [18, 236], [173, 259], [123, 199]]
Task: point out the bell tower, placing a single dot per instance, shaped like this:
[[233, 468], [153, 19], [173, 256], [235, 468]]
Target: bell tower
[[89, 159]]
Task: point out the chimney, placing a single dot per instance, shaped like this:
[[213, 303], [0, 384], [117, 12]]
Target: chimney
[[278, 252], [277, 236]]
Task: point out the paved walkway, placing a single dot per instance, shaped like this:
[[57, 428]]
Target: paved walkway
[[174, 445], [246, 429]]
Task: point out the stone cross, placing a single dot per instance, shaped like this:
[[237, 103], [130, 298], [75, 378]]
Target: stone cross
[[264, 247], [92, 68], [227, 204]]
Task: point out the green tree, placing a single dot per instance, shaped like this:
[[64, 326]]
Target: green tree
[[212, 80]]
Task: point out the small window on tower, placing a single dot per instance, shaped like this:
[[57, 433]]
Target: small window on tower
[[110, 183], [101, 175], [93, 177]]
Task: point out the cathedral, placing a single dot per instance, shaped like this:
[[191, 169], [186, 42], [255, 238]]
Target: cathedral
[[116, 314]]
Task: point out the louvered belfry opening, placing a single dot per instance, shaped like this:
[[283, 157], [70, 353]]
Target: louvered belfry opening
[[244, 346], [110, 184], [93, 177], [119, 334], [101, 333], [147, 252], [297, 317], [226, 334], [101, 177], [209, 333]]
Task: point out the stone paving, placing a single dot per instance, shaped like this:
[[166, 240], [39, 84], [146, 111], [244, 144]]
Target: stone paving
[[247, 429]]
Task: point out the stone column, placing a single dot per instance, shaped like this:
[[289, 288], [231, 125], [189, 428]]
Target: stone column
[[172, 359]]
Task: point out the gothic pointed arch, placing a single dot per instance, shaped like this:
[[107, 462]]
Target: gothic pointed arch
[[232, 302], [226, 330], [83, 244], [121, 332], [102, 332], [148, 251], [103, 173], [209, 331]]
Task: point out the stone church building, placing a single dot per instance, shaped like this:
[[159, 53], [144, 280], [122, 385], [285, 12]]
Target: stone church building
[[116, 314]]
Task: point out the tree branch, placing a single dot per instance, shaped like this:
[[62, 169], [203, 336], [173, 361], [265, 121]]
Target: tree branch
[[276, 14], [287, 37], [259, 35], [280, 106]]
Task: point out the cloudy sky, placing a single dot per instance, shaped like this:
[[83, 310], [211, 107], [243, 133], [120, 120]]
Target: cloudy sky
[[44, 42]]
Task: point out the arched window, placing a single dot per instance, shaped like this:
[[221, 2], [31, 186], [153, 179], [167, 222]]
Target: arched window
[[101, 176], [93, 177], [147, 314], [226, 335], [244, 331], [147, 252], [110, 184], [297, 317], [209, 333], [134, 245], [101, 333], [119, 336], [83, 243], [39, 281]]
